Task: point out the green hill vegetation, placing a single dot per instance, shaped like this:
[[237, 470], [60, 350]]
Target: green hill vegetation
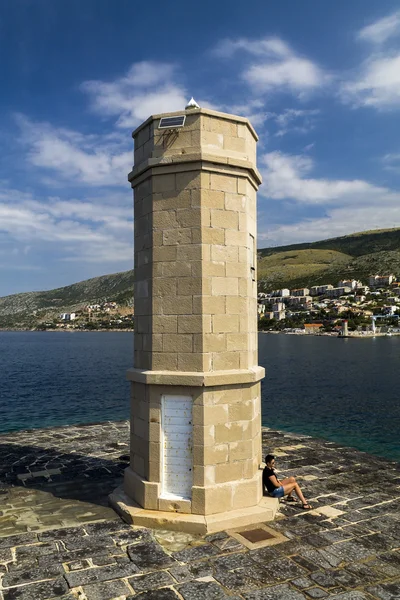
[[353, 256], [27, 309], [299, 265]]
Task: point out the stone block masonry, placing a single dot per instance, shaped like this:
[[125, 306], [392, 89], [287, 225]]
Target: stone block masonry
[[195, 319], [54, 542]]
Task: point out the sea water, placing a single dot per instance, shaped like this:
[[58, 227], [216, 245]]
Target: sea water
[[344, 390]]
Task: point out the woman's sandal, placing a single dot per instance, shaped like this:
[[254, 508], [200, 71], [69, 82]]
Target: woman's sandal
[[307, 506], [290, 499]]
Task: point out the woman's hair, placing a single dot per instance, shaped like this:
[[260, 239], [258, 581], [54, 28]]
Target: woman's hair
[[269, 457]]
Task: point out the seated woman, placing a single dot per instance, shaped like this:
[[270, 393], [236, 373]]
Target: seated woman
[[279, 489]]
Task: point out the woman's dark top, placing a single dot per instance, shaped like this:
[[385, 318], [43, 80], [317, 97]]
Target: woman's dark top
[[267, 473]]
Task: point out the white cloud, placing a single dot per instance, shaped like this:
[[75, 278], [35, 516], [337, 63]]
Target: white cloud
[[93, 160], [148, 88], [276, 66], [377, 85], [349, 205], [381, 30], [391, 162], [97, 231], [376, 82], [286, 176], [337, 222], [253, 109], [293, 120]]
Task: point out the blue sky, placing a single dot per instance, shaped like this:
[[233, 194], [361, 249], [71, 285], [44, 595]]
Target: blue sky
[[320, 81]]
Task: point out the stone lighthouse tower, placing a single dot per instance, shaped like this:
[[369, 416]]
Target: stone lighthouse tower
[[195, 384]]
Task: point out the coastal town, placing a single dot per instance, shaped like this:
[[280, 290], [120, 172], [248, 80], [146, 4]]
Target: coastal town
[[105, 315], [351, 307]]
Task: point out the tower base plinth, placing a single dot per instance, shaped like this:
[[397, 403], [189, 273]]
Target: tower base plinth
[[134, 514]]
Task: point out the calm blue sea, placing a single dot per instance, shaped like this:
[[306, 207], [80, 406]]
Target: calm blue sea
[[345, 390]]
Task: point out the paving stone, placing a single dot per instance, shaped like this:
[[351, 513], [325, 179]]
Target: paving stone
[[331, 559], [386, 591], [196, 553], [281, 592], [305, 563], [302, 583], [22, 576], [38, 591], [24, 552], [100, 574], [335, 535], [60, 534], [352, 550], [96, 543], [18, 540], [316, 592], [315, 540], [5, 555], [152, 581], [200, 569], [106, 590], [227, 544], [26, 565], [101, 560], [181, 573], [313, 559], [365, 573], [324, 579], [199, 590], [283, 569], [239, 581], [346, 579], [351, 596], [66, 556], [110, 527], [149, 556], [387, 522], [125, 538], [163, 594], [213, 537], [77, 565], [233, 561], [316, 543], [354, 516], [263, 555], [382, 566]]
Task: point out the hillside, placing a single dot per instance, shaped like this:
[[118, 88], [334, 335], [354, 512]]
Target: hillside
[[327, 261], [352, 256], [19, 309], [356, 244]]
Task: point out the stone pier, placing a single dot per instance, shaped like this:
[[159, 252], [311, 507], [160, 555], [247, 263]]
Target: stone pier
[[59, 540], [195, 407]]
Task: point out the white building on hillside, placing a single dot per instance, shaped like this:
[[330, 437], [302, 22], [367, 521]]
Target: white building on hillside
[[300, 292], [319, 290], [381, 280], [337, 292], [351, 283], [68, 317], [281, 293]]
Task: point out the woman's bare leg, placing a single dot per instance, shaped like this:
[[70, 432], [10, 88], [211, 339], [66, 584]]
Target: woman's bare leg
[[285, 482], [288, 488]]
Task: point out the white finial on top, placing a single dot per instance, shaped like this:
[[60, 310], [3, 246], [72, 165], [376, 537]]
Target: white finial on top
[[191, 104]]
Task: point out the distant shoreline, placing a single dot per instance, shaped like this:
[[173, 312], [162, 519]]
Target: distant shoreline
[[331, 335], [356, 336], [16, 329]]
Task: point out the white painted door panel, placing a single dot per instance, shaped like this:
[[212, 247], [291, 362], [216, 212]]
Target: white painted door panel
[[177, 426]]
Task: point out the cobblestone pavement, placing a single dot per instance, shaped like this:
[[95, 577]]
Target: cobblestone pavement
[[59, 540]]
